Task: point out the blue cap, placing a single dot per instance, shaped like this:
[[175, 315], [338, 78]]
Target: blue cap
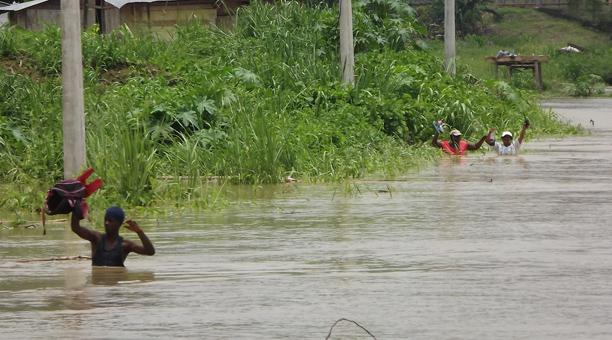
[[115, 213]]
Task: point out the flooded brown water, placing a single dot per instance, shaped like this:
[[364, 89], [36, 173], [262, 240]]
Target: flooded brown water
[[479, 248]]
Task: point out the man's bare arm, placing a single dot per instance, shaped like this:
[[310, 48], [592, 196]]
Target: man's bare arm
[[490, 140], [147, 246], [478, 144], [435, 141], [522, 134], [84, 233]]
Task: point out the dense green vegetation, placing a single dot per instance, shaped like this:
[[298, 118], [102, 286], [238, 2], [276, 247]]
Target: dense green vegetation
[[590, 13], [470, 16], [250, 106], [527, 32]]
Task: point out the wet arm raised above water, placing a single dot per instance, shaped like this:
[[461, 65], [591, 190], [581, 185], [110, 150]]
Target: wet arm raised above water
[[522, 134], [147, 247], [478, 144], [490, 140], [84, 233], [434, 140]]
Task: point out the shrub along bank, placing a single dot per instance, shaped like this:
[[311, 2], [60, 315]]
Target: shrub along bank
[[249, 106]]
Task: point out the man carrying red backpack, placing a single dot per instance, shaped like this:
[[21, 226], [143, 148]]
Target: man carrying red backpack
[[108, 248]]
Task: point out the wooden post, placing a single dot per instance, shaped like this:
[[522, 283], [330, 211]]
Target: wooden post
[[537, 74], [149, 17], [72, 81], [347, 51], [449, 37], [89, 6]]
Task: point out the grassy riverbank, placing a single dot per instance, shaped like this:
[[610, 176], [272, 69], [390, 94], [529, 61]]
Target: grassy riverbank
[[250, 106], [528, 32]]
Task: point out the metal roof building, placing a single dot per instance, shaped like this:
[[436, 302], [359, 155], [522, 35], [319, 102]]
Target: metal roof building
[[157, 16]]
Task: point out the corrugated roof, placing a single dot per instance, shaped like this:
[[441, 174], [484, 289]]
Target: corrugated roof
[[121, 3], [18, 7], [117, 3]]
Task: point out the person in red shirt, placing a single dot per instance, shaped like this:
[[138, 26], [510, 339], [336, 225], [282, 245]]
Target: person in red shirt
[[455, 145]]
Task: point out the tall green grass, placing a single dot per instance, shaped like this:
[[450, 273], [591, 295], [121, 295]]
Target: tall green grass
[[166, 119]]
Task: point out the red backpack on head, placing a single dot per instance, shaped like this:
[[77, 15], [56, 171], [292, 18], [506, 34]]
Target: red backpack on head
[[69, 196]]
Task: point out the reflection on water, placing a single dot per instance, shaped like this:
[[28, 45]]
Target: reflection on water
[[482, 247], [111, 276]]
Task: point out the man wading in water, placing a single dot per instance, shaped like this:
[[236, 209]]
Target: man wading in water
[[456, 146], [508, 146], [110, 249]]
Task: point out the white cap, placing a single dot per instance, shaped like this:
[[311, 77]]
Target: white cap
[[455, 132], [506, 133]]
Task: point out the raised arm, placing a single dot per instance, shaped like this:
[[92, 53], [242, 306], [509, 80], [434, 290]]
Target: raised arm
[[522, 134], [84, 233], [147, 246], [435, 140], [478, 144], [490, 140]]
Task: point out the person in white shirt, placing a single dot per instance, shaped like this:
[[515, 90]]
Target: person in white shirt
[[508, 146]]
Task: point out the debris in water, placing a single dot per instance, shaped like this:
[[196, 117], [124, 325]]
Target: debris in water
[[343, 319], [61, 258]]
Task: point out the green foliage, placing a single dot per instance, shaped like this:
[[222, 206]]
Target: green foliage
[[389, 24], [590, 13], [46, 50], [592, 61], [469, 15], [530, 32], [254, 105], [8, 43], [124, 155], [585, 86], [25, 197], [30, 125], [105, 51]]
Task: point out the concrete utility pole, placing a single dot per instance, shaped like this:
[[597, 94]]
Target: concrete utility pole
[[347, 50], [449, 37], [72, 82]]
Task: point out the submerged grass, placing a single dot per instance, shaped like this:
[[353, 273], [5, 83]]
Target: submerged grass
[[174, 123]]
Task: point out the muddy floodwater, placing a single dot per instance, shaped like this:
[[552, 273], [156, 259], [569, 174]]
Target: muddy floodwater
[[478, 248]]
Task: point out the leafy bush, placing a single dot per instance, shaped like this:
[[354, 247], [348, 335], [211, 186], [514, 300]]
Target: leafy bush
[[585, 86], [582, 65], [250, 106], [469, 15], [389, 24]]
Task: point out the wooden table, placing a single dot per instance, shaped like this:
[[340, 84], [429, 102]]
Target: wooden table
[[527, 62]]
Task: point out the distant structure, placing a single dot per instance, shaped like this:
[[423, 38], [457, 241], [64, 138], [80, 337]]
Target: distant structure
[[516, 3], [157, 16], [532, 3]]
